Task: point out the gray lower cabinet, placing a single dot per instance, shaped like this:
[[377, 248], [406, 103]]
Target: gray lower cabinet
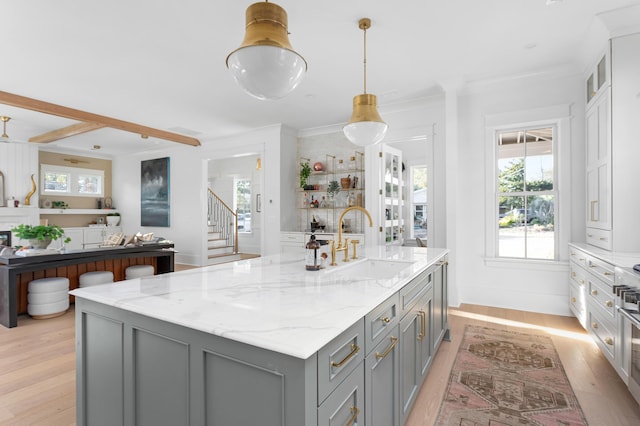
[[136, 370], [382, 381], [440, 304], [415, 349]]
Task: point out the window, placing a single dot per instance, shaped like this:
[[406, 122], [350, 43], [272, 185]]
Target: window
[[526, 193], [419, 201], [71, 181], [242, 203]]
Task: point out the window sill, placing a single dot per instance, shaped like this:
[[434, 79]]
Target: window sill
[[547, 265]]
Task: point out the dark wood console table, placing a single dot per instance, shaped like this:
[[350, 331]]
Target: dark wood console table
[[16, 271]]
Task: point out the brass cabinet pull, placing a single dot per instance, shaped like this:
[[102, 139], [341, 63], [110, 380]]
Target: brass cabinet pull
[[573, 300], [609, 303], [573, 273], [594, 292], [354, 350], [394, 342], [594, 325], [581, 282], [353, 418], [609, 341], [386, 320], [423, 325], [607, 273], [592, 215]]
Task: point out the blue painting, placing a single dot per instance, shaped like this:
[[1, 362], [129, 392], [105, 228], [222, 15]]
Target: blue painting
[[154, 192]]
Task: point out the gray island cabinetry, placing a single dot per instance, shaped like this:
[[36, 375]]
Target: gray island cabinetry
[[263, 342]]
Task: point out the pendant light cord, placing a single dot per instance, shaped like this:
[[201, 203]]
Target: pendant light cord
[[365, 60]]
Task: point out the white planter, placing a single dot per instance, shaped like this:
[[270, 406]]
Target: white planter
[[113, 220]]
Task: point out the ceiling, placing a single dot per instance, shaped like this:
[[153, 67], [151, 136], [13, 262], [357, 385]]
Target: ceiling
[[162, 65]]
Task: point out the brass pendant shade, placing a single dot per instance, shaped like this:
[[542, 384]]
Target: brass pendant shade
[[265, 65], [365, 127]]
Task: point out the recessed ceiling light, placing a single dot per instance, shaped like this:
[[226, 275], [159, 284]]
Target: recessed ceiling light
[[550, 2], [530, 46]]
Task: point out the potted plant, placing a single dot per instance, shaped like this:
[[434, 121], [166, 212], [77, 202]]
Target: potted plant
[[305, 172], [113, 219], [39, 236]]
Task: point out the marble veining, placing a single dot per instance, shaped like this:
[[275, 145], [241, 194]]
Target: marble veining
[[270, 302]]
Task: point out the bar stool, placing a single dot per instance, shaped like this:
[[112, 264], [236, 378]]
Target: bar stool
[[89, 279], [48, 297], [138, 271]]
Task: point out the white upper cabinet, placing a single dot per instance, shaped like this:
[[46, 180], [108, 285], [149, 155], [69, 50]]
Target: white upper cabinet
[[613, 151]]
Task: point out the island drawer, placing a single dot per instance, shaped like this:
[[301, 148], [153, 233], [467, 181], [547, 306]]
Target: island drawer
[[338, 358], [411, 293], [383, 317], [345, 406]]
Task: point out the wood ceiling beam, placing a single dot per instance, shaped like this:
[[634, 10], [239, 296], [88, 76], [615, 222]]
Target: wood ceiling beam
[[65, 132], [75, 114]]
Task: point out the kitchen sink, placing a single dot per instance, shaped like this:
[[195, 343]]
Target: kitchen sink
[[369, 268]]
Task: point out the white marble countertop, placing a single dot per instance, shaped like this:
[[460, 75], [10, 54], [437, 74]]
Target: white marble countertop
[[270, 302]]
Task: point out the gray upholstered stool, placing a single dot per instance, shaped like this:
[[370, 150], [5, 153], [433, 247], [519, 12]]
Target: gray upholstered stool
[[138, 271], [48, 297], [89, 279]]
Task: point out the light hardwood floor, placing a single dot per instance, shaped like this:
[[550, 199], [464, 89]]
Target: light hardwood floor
[[37, 369]]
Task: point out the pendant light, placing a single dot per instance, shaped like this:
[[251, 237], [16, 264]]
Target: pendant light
[[365, 127], [5, 136], [265, 65]]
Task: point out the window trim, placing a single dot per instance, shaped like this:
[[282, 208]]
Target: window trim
[[73, 173], [558, 116]]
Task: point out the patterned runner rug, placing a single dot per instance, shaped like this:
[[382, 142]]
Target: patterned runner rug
[[508, 377]]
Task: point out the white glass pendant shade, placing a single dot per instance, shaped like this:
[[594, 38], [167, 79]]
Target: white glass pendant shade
[[267, 72], [265, 65], [365, 127]]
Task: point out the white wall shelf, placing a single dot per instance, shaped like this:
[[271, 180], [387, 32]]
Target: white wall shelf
[[77, 211]]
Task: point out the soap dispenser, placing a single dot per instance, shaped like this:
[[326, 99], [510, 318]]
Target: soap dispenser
[[312, 258]]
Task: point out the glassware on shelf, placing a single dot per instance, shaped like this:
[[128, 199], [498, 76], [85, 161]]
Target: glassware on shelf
[[341, 166], [351, 201], [352, 163]]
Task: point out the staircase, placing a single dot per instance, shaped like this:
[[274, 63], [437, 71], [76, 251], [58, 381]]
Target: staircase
[[222, 225]]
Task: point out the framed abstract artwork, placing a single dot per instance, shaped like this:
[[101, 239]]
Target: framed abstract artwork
[[154, 192]]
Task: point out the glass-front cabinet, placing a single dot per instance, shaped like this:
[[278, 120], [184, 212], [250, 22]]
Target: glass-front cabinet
[[387, 196], [393, 228]]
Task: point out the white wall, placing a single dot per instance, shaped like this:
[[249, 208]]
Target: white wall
[[188, 168], [18, 162], [539, 287]]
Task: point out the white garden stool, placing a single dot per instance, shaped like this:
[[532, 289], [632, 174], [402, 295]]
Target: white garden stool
[[89, 279], [138, 271], [48, 297]]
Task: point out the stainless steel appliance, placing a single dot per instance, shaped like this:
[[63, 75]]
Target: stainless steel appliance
[[627, 291]]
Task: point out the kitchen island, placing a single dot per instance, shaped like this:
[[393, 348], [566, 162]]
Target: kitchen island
[[263, 342], [17, 271]]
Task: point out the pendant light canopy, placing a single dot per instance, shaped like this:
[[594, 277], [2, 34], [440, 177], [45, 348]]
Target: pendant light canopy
[[365, 127], [265, 65]]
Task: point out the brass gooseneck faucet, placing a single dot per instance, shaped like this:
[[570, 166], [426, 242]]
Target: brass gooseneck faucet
[[345, 247]]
